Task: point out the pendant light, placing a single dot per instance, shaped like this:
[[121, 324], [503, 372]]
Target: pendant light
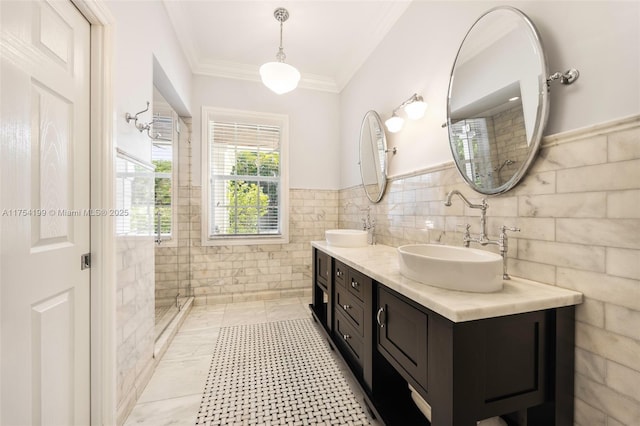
[[279, 76]]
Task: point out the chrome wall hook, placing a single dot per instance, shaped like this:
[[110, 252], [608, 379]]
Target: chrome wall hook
[[130, 117]]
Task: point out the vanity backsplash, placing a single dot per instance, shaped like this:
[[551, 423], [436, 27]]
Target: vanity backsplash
[[578, 209]]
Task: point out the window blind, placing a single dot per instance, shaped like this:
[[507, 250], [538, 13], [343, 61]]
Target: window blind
[[244, 164]]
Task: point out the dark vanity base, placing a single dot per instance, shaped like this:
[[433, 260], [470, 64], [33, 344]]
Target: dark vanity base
[[519, 367]]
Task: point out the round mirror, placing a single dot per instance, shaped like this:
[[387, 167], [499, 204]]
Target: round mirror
[[373, 158], [497, 104]]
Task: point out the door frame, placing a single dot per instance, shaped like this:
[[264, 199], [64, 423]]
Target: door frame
[[103, 277]]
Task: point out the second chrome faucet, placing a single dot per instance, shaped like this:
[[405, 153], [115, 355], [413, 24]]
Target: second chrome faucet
[[502, 242]]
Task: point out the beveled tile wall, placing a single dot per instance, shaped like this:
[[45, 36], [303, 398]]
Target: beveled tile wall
[[579, 211], [135, 333], [225, 274]]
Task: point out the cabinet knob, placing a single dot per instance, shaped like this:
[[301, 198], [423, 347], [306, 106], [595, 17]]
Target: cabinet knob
[[346, 336], [345, 307], [339, 274], [355, 284], [380, 311]]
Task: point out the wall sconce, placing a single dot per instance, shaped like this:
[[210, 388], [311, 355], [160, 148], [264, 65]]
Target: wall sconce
[[414, 107]]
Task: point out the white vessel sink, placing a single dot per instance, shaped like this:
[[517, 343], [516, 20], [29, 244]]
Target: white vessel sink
[[452, 268], [346, 237]]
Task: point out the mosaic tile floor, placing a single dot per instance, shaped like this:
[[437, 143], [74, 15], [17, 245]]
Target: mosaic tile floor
[[276, 373], [174, 394]]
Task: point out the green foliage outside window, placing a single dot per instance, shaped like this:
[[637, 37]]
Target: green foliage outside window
[[249, 201], [163, 197]]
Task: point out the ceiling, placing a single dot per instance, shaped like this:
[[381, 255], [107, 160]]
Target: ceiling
[[327, 40]]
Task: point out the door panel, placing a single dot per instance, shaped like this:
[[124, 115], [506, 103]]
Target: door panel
[[44, 222]]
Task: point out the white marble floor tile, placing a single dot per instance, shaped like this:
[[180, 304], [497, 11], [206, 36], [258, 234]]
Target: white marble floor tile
[[192, 344], [176, 378], [180, 411], [244, 317], [199, 321], [245, 306], [287, 312]]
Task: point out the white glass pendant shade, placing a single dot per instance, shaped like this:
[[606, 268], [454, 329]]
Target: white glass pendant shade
[[415, 110], [279, 77], [394, 124]]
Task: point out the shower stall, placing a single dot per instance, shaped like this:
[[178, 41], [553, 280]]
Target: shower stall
[[172, 222]]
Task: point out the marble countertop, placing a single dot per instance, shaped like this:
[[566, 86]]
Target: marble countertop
[[518, 295]]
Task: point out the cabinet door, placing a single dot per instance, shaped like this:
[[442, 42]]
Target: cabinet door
[[402, 335], [323, 266]]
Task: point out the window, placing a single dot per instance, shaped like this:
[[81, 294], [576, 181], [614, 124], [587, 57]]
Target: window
[[163, 157], [472, 144], [245, 186]]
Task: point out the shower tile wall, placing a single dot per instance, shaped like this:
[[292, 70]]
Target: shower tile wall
[[579, 211], [225, 274], [135, 330]]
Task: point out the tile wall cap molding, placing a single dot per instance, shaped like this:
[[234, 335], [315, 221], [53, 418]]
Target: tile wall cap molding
[[612, 126], [429, 169]]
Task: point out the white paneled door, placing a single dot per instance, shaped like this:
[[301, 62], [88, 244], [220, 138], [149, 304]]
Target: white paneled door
[[45, 217]]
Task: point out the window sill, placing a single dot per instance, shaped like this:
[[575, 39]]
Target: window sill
[[245, 240]]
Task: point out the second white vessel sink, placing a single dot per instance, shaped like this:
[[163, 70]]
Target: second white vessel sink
[[451, 267], [346, 237]]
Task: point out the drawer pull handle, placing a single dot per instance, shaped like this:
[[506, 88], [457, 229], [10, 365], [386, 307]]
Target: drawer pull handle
[[339, 274], [380, 311], [345, 307], [355, 284], [346, 336]]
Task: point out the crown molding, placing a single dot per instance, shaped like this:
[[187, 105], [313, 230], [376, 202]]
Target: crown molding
[[247, 72]]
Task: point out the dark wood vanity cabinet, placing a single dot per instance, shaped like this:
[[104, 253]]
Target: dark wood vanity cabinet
[[473, 370], [352, 328], [517, 366], [322, 289], [402, 335]]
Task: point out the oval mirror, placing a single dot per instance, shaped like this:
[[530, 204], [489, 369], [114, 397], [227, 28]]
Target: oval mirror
[[373, 158], [497, 104]]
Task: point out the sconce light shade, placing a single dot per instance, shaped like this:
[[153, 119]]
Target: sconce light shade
[[279, 77], [416, 109], [394, 123]]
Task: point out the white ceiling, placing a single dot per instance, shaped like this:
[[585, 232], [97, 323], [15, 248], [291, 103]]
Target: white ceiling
[[327, 40]]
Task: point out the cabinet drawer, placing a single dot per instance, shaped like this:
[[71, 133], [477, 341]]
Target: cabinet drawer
[[322, 266], [348, 338], [340, 273], [358, 283], [347, 304], [402, 335]]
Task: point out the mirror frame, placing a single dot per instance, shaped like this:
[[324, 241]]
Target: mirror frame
[[382, 172], [542, 110]]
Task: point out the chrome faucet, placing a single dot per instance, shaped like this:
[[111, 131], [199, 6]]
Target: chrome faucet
[[369, 225], [482, 239]]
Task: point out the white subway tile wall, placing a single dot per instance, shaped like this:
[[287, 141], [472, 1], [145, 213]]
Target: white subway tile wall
[[579, 210]]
